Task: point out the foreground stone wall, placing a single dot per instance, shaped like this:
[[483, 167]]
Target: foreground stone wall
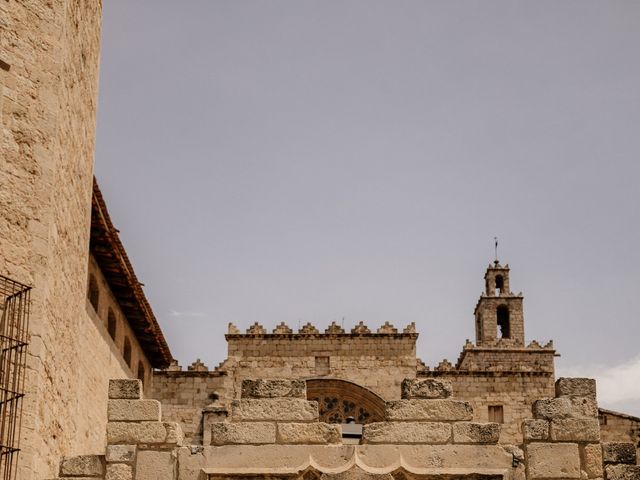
[[49, 53], [515, 392], [618, 427]]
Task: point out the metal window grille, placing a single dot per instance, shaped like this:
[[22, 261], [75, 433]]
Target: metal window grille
[[14, 325]]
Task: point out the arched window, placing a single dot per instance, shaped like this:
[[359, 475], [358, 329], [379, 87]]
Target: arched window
[[504, 328], [126, 351], [93, 292], [499, 285], [141, 371], [111, 324]]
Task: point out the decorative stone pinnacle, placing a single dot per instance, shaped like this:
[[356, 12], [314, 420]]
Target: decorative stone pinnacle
[[468, 344], [232, 329], [534, 344], [549, 344], [308, 329], [444, 366], [256, 329], [360, 328], [198, 366], [387, 328], [282, 328], [174, 366], [334, 328], [411, 328]]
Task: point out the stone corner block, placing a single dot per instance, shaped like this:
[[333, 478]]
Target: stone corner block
[[274, 388], [426, 388], [120, 453], [118, 471], [472, 432], [553, 460], [129, 389], [428, 410], [309, 433], [254, 433], [619, 452], [278, 409], [622, 472], [82, 466], [129, 433], [592, 460], [154, 465], [533, 429], [575, 430], [133, 411], [433, 433], [576, 387]]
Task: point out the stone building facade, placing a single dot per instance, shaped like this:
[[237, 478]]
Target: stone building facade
[[316, 403]]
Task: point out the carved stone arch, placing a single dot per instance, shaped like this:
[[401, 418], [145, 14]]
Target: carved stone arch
[[341, 399]]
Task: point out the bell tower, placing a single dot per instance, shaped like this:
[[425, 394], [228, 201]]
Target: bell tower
[[499, 316]]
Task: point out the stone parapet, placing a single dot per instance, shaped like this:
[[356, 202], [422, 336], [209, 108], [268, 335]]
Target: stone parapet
[[274, 409], [437, 410], [283, 330]]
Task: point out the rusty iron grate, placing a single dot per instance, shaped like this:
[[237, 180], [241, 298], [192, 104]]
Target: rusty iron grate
[[14, 324]]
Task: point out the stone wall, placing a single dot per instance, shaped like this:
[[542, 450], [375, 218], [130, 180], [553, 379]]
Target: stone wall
[[49, 92], [515, 392], [618, 427]]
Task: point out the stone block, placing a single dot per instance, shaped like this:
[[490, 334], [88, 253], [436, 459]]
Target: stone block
[[428, 410], [406, 432], [576, 387], [118, 471], [125, 389], [619, 452], [309, 433], [133, 411], [82, 466], [622, 472], [575, 429], [472, 432], [426, 388], [281, 409], [535, 429], [274, 388], [550, 408], [592, 460], [552, 460], [145, 432], [250, 433], [120, 453], [153, 465]]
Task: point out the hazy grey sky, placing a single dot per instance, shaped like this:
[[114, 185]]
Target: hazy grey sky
[[309, 161]]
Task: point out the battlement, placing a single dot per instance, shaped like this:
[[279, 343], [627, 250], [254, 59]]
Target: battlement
[[333, 330]]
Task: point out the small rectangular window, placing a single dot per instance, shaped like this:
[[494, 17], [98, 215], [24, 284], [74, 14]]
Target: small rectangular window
[[322, 366], [496, 414]]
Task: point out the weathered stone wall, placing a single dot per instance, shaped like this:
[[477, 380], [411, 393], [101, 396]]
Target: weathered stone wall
[[377, 361], [107, 304], [49, 94], [618, 427], [515, 392]]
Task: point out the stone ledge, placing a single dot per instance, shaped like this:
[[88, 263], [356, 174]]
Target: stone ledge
[[308, 433], [429, 410], [274, 388], [254, 433], [129, 433], [429, 388], [472, 432], [552, 460], [133, 411], [281, 409], [619, 452], [82, 466], [125, 389], [407, 433]]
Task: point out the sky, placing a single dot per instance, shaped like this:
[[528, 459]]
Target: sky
[[305, 161]]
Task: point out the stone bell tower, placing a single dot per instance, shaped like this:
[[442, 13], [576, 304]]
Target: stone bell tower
[[498, 313]]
